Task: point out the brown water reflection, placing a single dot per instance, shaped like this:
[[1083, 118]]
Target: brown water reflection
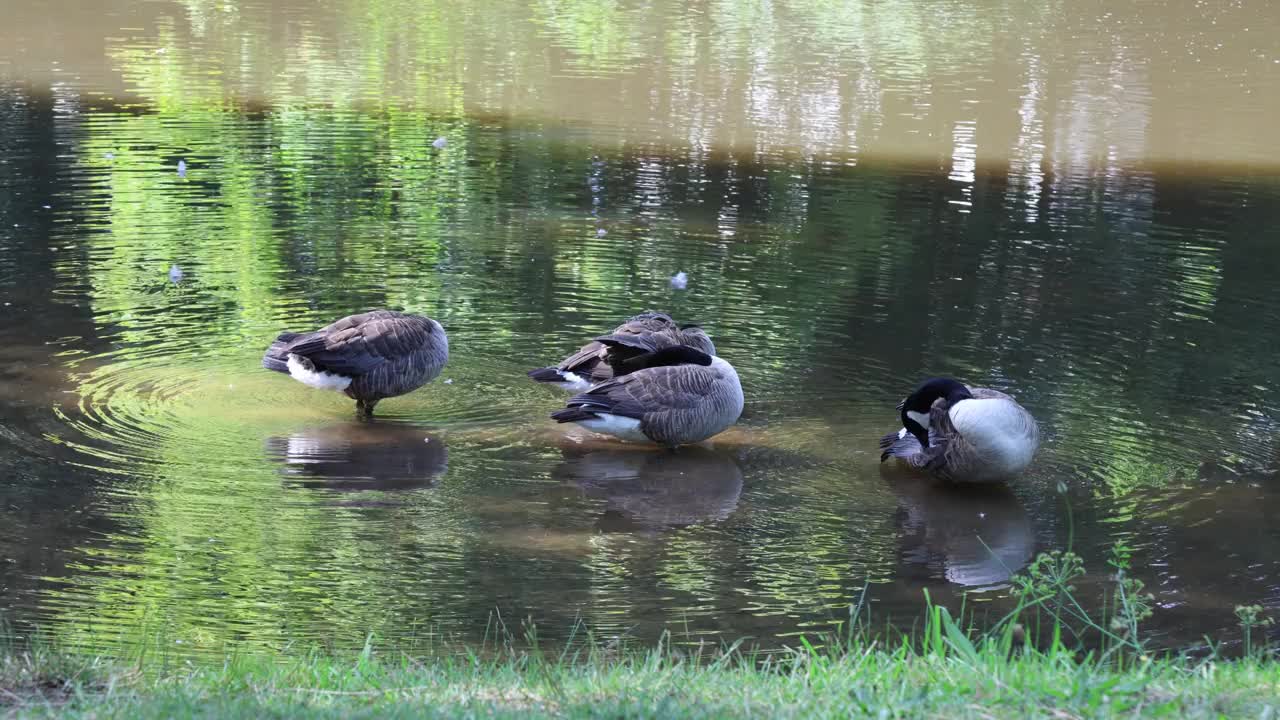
[[658, 489], [976, 537], [360, 456], [1067, 203]]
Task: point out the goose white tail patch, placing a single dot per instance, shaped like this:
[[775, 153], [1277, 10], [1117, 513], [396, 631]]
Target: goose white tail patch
[[308, 376], [573, 382], [623, 428]]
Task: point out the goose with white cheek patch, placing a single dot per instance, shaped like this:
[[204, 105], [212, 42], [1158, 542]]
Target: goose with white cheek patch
[[588, 366], [368, 357], [963, 434], [670, 396]]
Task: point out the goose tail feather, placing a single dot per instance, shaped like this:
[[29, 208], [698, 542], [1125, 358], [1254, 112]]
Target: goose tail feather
[[546, 374], [277, 355], [573, 414], [901, 444]]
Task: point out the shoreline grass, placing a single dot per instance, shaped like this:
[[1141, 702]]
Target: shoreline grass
[[957, 680], [1048, 658]]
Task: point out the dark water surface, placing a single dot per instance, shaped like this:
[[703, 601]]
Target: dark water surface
[[1075, 205]]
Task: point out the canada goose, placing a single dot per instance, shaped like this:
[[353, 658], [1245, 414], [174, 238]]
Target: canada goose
[[963, 434], [587, 367], [671, 396], [370, 356]]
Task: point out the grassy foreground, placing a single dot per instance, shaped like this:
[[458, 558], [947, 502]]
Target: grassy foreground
[[1047, 658], [951, 682]]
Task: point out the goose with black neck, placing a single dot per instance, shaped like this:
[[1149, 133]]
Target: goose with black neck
[[963, 434]]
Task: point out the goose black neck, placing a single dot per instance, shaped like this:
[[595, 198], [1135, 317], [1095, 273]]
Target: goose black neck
[[939, 387], [674, 355]]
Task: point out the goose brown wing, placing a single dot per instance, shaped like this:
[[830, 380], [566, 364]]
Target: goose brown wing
[[628, 335], [647, 322], [649, 331], [588, 354], [649, 391], [638, 342], [363, 346]]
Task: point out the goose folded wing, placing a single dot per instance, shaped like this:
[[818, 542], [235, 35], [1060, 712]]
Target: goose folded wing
[[620, 350], [612, 397], [646, 322], [361, 349], [653, 390], [637, 342], [587, 354]]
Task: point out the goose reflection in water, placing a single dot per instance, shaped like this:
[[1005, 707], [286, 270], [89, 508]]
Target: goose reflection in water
[[644, 488], [360, 456], [978, 536]]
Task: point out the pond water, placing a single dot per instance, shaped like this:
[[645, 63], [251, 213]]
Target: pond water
[[1075, 205]]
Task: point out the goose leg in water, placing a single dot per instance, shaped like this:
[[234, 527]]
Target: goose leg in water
[[365, 407]]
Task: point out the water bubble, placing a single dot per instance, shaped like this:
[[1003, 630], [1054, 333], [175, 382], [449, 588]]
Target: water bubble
[[175, 274], [182, 168], [680, 280], [439, 143], [601, 232], [449, 381], [109, 155]]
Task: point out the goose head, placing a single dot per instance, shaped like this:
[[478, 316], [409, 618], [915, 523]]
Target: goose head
[[695, 337], [915, 409]]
